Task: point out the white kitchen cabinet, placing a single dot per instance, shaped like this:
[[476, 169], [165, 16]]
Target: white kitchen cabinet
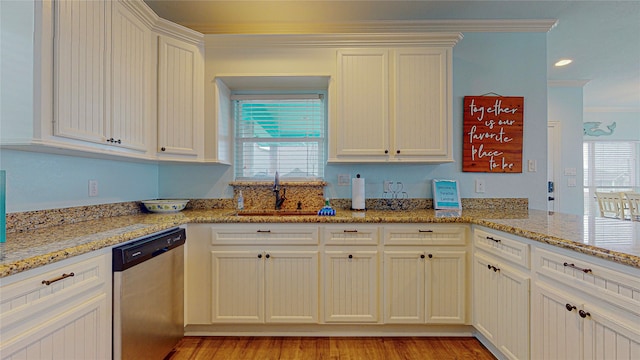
[[102, 72], [501, 305], [350, 272], [501, 291], [425, 286], [272, 286], [583, 310], [180, 98], [351, 286], [425, 274], [58, 311], [255, 273], [394, 105]]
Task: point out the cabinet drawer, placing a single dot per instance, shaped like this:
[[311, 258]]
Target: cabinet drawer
[[25, 303], [500, 245], [428, 234], [609, 285], [258, 234], [350, 235]]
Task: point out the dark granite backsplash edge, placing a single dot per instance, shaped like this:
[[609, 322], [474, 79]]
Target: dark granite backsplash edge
[[38, 219]]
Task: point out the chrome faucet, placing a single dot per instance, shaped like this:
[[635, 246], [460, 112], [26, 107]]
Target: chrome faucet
[[276, 189]]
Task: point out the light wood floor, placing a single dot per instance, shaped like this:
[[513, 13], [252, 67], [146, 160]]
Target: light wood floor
[[342, 348]]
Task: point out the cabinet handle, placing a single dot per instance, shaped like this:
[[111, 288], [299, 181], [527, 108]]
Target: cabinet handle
[[496, 240], [350, 231], [350, 256], [586, 271], [163, 149], [422, 256], [63, 276], [425, 231], [264, 231], [386, 151], [583, 314], [259, 256], [267, 256], [397, 151], [491, 267], [430, 256], [118, 141], [570, 307]]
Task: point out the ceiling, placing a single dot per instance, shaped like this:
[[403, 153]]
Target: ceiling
[[602, 37]]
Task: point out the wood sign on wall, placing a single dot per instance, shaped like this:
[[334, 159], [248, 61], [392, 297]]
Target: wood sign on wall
[[493, 129]]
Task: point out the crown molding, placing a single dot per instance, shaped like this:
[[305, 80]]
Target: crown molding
[[381, 26], [332, 40], [161, 26], [567, 83]]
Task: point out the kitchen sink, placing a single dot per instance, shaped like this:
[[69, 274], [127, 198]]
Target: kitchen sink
[[276, 213]]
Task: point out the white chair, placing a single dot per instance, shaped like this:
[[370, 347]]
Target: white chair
[[633, 205], [611, 204]]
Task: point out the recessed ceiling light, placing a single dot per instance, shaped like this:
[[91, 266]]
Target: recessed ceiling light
[[563, 62]]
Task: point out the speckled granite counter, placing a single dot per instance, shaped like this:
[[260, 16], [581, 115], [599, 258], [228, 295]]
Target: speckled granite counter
[[610, 239]]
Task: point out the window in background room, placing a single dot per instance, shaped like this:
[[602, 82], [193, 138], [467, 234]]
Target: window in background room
[[609, 166], [279, 132]]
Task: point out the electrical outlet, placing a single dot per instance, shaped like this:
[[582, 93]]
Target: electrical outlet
[[479, 185], [531, 165], [93, 188], [343, 179]]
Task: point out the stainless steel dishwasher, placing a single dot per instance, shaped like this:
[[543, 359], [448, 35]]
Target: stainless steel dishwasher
[[148, 300]]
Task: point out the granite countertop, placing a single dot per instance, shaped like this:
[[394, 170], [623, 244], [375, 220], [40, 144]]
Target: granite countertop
[[610, 239]]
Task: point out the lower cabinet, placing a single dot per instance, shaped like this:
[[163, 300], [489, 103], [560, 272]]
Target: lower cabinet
[[264, 286], [501, 305], [501, 296], [351, 290], [583, 310], [61, 311], [425, 286]]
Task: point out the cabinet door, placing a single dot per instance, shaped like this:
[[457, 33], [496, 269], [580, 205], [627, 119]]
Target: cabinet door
[[445, 279], [291, 286], [404, 287], [237, 286], [485, 298], [130, 77], [610, 337], [179, 97], [351, 288], [362, 124], [83, 332], [80, 58], [557, 328], [513, 312], [421, 119]]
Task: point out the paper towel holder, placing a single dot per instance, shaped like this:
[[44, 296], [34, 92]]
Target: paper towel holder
[[351, 208]]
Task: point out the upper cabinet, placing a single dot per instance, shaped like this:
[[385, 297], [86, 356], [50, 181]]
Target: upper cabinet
[[180, 98], [393, 105], [101, 72], [109, 78]]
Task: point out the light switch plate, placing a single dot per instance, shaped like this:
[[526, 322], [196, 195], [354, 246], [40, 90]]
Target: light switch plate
[[479, 185], [531, 166]]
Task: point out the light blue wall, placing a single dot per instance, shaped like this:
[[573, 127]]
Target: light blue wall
[[627, 124], [37, 181], [566, 107]]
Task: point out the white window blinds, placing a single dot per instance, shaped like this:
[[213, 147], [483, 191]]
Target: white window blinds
[[283, 133]]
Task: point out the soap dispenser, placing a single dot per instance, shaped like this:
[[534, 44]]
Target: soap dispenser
[[240, 201]]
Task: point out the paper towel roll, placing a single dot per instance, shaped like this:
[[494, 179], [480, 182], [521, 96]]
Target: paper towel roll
[[357, 193]]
